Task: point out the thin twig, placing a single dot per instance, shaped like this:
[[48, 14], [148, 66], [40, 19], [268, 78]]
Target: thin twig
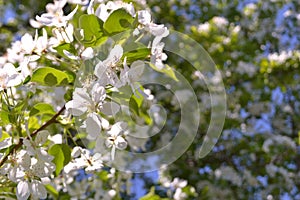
[[51, 121]]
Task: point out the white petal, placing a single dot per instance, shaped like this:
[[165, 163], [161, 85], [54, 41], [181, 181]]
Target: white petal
[[97, 157], [117, 128], [101, 12], [71, 14], [69, 33], [70, 55], [136, 70], [115, 54], [70, 167], [88, 53], [80, 101], [90, 9], [104, 124], [27, 43], [45, 19], [24, 159], [38, 189], [113, 152], [110, 108], [93, 125], [56, 139], [98, 93], [76, 152], [100, 70], [144, 17], [15, 173], [23, 191], [35, 24], [41, 137], [121, 143]]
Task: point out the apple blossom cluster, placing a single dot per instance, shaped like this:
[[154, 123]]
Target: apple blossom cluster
[[30, 168], [34, 156], [175, 187]]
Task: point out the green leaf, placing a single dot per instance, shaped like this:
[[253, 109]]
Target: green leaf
[[5, 120], [41, 109], [137, 54], [68, 95], [118, 21], [33, 123], [137, 110], [67, 153], [4, 135], [133, 106], [135, 50], [52, 190], [152, 196], [92, 27], [103, 175], [62, 155], [49, 76]]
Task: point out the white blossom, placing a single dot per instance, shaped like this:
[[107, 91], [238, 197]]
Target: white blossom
[[115, 138], [82, 158], [144, 18], [55, 15], [88, 53], [133, 74], [84, 102], [106, 70], [104, 10], [64, 34], [9, 76]]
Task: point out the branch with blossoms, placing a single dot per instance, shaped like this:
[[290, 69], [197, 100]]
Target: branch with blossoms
[[20, 143], [91, 60]]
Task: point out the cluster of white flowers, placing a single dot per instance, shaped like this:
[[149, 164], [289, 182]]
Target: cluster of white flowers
[[278, 140], [30, 168], [220, 22], [280, 57], [175, 186], [82, 158], [91, 99], [246, 68], [22, 57]]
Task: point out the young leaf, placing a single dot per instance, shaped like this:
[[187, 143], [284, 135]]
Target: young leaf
[[49, 76], [92, 27], [41, 109], [118, 21], [62, 155]]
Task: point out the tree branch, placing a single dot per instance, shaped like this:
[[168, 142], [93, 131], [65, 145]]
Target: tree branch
[[51, 121]]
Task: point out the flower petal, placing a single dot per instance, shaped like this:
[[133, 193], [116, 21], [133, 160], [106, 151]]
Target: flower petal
[[38, 189], [93, 125], [23, 191]]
